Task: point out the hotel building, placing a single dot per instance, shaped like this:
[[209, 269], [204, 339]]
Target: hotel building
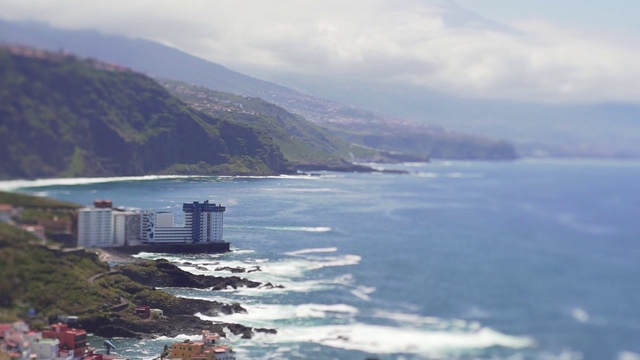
[[102, 226], [95, 225]]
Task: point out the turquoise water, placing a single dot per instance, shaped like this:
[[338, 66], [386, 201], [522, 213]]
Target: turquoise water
[[522, 260]]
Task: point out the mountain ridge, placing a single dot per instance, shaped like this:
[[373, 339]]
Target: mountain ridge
[[65, 116], [164, 62]]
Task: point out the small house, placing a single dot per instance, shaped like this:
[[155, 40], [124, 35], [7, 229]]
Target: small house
[[143, 312]]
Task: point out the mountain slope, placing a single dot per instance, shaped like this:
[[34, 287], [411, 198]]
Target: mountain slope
[[62, 116], [165, 62], [302, 142]]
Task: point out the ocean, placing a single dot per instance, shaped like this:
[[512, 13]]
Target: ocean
[[533, 259]]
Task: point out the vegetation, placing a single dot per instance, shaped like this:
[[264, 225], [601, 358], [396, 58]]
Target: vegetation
[[303, 143], [29, 201], [436, 144], [64, 116], [50, 281]]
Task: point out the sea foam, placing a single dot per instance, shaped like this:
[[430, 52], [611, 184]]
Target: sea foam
[[25, 184], [263, 315], [316, 229], [312, 250], [392, 340]]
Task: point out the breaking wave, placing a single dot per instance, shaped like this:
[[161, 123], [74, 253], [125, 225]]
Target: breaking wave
[[25, 184], [391, 340], [313, 250], [300, 228], [264, 315]]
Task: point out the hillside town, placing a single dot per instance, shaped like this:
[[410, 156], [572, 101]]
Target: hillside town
[[59, 341]]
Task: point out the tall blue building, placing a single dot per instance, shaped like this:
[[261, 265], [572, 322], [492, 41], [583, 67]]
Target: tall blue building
[[205, 221], [202, 224]]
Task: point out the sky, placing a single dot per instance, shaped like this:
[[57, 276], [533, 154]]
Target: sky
[[544, 51]]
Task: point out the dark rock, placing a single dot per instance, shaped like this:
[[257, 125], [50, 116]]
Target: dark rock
[[231, 269], [111, 331], [161, 273], [269, 285]]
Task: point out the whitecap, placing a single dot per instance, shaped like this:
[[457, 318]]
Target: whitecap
[[181, 337], [321, 311], [477, 313], [403, 318], [628, 355], [427, 174], [570, 221], [24, 184], [393, 340], [580, 315], [298, 266], [312, 250], [286, 272], [460, 175], [362, 292], [235, 251], [302, 177], [316, 229], [264, 315]]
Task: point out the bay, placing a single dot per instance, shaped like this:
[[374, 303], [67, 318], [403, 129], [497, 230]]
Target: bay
[[522, 260]]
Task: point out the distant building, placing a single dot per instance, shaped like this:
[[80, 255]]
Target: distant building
[[165, 219], [95, 225], [127, 227], [72, 341], [101, 226], [207, 349], [148, 226], [18, 342], [157, 313], [203, 223], [143, 312], [6, 212], [46, 348], [185, 350]]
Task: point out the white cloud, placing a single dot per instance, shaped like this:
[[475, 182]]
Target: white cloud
[[410, 41]]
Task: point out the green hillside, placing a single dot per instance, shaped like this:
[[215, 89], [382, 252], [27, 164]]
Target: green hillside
[[303, 143], [51, 282], [434, 143], [28, 201], [63, 116]]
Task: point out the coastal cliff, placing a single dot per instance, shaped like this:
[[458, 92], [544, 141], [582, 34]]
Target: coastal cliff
[[67, 117]]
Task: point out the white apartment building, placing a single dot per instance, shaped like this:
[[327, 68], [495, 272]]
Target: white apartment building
[[95, 227], [126, 228], [46, 349], [164, 219]]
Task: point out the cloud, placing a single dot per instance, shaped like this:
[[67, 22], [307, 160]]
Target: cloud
[[433, 44]]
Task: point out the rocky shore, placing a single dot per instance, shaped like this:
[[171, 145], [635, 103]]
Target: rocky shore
[[140, 278], [171, 326]]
